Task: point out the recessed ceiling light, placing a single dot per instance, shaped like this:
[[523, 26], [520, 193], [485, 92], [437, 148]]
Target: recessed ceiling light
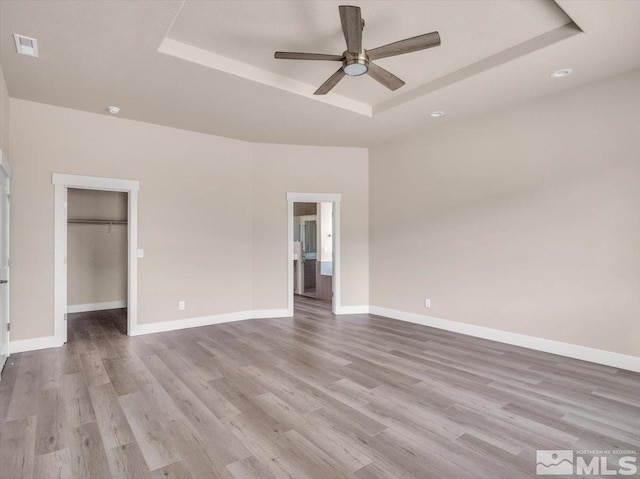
[[26, 45], [436, 114], [565, 72], [114, 110]]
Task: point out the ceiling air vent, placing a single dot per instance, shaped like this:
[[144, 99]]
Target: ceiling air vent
[[26, 46]]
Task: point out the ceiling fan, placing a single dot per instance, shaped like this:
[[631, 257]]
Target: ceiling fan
[[356, 60]]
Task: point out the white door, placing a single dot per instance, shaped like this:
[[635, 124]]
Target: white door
[[4, 265]]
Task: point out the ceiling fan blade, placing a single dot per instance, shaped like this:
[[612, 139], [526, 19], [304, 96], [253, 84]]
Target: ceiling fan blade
[[413, 44], [381, 75], [330, 83], [307, 56], [351, 27]]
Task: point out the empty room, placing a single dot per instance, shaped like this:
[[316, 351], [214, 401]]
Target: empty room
[[309, 239]]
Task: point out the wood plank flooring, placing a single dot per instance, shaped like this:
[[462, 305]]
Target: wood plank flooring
[[313, 397]]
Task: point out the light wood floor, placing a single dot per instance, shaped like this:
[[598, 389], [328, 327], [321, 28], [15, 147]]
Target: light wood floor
[[316, 396]]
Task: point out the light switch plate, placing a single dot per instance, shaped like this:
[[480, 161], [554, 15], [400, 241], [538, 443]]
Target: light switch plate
[[140, 253]]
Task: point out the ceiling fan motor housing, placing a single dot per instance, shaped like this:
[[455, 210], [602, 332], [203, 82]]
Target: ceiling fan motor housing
[[355, 64]]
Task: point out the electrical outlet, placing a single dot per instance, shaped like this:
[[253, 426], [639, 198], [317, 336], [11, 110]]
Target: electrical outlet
[[427, 303], [181, 305]]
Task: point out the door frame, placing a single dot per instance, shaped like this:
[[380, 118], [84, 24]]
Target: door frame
[[5, 166], [336, 199], [61, 183]]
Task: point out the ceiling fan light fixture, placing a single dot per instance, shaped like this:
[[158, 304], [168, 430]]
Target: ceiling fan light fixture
[[356, 69], [355, 64]]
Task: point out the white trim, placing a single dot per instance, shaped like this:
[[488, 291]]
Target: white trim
[[94, 182], [268, 313], [362, 309], [314, 197], [132, 278], [240, 69], [163, 326], [336, 199], [62, 182], [83, 308], [33, 344], [5, 165], [336, 284], [176, 324], [60, 264], [290, 274], [599, 356], [5, 240]]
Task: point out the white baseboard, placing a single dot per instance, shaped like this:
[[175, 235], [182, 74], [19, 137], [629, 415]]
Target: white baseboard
[[269, 313], [33, 344], [207, 321], [599, 356], [50, 341], [82, 308], [362, 309]]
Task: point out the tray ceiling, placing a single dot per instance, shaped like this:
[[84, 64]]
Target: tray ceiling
[[208, 66], [248, 33]]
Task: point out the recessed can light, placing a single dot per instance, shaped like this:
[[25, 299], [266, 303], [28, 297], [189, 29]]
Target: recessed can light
[[565, 72], [436, 114], [114, 110]]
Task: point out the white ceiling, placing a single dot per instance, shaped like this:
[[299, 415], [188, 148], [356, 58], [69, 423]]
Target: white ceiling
[[218, 75]]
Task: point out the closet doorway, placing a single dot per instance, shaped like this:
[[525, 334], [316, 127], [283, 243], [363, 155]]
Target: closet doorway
[[87, 217], [97, 260]]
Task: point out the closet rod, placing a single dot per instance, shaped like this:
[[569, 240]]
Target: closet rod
[[98, 222]]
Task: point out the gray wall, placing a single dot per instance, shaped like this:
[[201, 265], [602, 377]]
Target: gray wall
[[212, 212], [527, 220]]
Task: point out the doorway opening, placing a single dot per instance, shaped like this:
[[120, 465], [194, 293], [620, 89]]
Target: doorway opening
[[96, 238], [314, 251], [96, 262]]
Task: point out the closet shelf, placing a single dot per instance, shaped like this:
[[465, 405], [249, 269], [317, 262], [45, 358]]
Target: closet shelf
[[97, 222]]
